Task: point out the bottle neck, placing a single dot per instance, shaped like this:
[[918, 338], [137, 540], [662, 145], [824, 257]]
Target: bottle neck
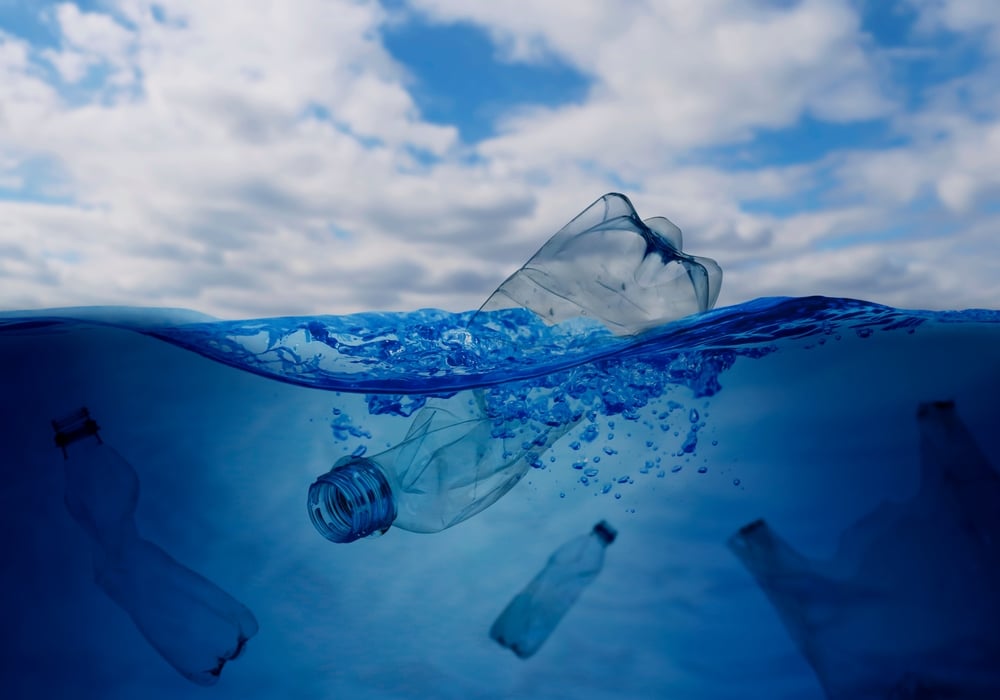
[[73, 427], [605, 532], [352, 500]]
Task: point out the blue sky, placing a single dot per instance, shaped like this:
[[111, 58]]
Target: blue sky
[[334, 155]]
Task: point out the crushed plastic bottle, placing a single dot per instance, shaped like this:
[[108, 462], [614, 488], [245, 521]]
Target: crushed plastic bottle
[[196, 626], [606, 264], [530, 617], [907, 608], [610, 265], [448, 468]]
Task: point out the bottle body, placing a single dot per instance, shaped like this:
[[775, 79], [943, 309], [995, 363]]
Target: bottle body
[[195, 625], [533, 614], [609, 265]]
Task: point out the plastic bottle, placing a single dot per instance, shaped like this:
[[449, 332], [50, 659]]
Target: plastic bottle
[[449, 467], [610, 265], [606, 264], [196, 626], [907, 607], [530, 617]]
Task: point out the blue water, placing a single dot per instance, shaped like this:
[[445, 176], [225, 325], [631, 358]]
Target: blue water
[[798, 410]]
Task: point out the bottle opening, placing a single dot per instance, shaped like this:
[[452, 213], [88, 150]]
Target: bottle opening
[[351, 501], [605, 532], [74, 426]]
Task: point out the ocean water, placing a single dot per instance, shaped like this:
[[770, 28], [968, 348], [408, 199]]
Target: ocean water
[[799, 411]]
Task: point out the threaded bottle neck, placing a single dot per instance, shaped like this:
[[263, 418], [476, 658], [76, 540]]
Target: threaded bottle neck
[[351, 501]]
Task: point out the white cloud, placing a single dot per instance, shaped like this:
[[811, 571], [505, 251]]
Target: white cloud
[[225, 146], [672, 76], [90, 39], [961, 16]]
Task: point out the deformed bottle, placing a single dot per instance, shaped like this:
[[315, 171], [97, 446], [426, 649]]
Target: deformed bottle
[[451, 465], [195, 625], [610, 265], [907, 607], [530, 617], [606, 264]]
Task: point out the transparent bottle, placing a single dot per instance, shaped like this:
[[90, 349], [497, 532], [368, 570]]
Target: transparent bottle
[[196, 626], [530, 617], [605, 264], [610, 265], [907, 606], [450, 466]]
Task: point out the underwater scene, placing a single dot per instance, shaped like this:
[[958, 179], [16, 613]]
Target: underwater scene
[[560, 495]]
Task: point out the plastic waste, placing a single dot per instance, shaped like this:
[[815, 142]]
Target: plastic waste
[[610, 265], [449, 467], [530, 617], [606, 264], [907, 607], [196, 626]]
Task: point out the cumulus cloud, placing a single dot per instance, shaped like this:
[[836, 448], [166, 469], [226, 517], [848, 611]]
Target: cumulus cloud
[[274, 160]]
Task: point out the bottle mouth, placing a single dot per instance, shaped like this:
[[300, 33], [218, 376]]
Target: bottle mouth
[[74, 426], [605, 532], [351, 501]]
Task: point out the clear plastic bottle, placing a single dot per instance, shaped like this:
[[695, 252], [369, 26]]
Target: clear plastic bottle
[[530, 617], [610, 265], [449, 467], [196, 626], [907, 607], [605, 264]]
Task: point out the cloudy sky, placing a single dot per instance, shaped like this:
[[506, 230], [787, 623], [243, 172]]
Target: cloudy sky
[[331, 156]]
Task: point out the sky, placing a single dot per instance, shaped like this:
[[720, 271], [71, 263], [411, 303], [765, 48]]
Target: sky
[[250, 159]]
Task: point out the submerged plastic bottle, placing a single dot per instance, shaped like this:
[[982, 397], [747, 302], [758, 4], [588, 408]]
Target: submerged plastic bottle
[[530, 617], [907, 607], [605, 264], [196, 626], [449, 467]]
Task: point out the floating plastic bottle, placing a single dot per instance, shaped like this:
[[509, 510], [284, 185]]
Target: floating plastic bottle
[[530, 617], [908, 606], [606, 264], [196, 626], [610, 265]]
